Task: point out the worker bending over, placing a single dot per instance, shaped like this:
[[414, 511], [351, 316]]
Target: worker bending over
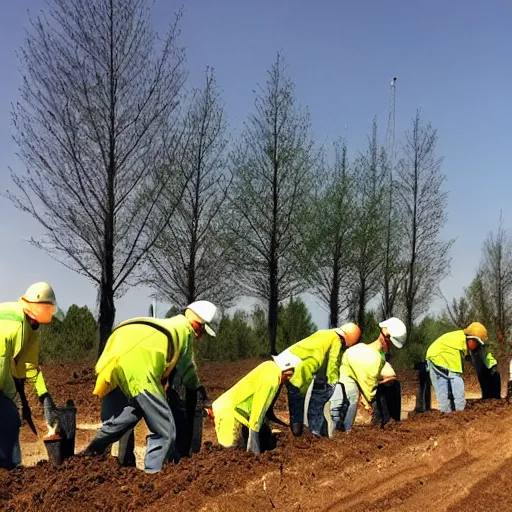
[[320, 352], [241, 413], [138, 357], [363, 369], [320, 390], [445, 362], [20, 336]]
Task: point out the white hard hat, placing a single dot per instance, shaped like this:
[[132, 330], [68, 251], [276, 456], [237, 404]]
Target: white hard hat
[[397, 331], [40, 293], [39, 303], [206, 311]]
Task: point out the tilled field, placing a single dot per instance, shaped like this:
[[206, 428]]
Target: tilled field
[[431, 461]]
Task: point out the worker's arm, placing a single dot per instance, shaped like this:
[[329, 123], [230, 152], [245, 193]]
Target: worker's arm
[[262, 399], [7, 386], [187, 368], [368, 378], [387, 374], [27, 364], [333, 362], [489, 360]]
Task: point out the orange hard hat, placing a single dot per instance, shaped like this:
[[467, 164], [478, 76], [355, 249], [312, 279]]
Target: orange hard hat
[[476, 329], [350, 332]]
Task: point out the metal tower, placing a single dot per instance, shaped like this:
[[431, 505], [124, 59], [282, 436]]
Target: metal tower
[[389, 292], [390, 135]]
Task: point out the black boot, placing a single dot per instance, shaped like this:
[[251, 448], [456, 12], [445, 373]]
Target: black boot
[[297, 429]]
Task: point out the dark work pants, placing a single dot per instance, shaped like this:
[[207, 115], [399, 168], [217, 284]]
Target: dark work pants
[[113, 405], [10, 423]]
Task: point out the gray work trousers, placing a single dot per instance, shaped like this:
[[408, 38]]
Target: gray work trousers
[[113, 405], [10, 423], [159, 420]]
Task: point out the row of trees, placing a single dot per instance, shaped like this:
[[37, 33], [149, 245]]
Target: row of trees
[[135, 179]]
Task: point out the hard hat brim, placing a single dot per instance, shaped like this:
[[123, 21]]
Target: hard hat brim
[[397, 343]]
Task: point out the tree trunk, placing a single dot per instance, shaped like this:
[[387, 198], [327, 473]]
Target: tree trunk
[[361, 307], [334, 304], [272, 309], [107, 314]]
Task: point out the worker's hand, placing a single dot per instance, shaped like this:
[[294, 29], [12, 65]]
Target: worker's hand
[[201, 392], [493, 371], [50, 411]]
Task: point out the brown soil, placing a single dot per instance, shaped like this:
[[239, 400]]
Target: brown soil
[[455, 462]]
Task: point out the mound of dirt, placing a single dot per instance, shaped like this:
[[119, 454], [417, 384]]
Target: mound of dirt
[[436, 461], [406, 465]]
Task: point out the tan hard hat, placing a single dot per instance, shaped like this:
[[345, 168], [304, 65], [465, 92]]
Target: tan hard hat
[[350, 332], [476, 329]]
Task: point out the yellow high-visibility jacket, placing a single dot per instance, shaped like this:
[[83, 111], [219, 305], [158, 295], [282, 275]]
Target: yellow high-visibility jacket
[[140, 353], [363, 364], [450, 349], [19, 350], [489, 359], [246, 403], [319, 349]]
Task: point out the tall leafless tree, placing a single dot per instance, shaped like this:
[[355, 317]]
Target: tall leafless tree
[[272, 181], [94, 125], [496, 272], [333, 221], [367, 239], [188, 261], [420, 184]]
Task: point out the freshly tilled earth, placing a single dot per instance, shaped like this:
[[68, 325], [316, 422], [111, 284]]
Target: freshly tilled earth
[[456, 462]]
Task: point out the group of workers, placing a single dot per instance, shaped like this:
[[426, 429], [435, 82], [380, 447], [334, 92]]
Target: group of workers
[[326, 376]]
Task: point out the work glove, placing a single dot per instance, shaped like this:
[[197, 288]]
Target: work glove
[[50, 411], [201, 393], [493, 371]]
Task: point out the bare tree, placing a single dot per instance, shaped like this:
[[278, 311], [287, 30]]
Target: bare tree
[[188, 261], [420, 183], [496, 274], [367, 239], [474, 305], [458, 313], [94, 126], [272, 181], [330, 245]]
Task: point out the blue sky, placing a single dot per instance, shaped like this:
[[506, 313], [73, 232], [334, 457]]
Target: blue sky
[[452, 59]]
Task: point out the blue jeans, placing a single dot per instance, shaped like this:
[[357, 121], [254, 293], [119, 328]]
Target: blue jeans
[[159, 419], [10, 423], [320, 395], [344, 409], [442, 379]]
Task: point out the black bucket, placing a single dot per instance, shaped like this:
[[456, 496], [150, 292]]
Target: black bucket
[[54, 446], [67, 428]]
